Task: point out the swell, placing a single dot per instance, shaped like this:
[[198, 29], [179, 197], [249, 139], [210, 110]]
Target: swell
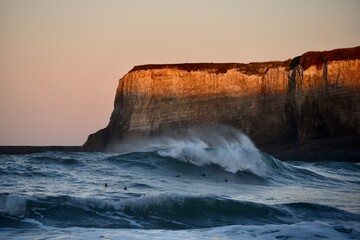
[[53, 159], [164, 211], [266, 168], [272, 170]]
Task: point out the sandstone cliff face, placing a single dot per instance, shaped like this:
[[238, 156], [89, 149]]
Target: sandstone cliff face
[[313, 96]]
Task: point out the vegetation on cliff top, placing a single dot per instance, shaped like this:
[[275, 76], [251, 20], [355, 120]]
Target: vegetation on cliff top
[[306, 60]]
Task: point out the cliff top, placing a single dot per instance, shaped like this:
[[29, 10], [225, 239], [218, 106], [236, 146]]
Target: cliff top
[[306, 60], [250, 68]]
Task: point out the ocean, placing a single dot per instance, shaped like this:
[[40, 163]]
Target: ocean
[[212, 185]]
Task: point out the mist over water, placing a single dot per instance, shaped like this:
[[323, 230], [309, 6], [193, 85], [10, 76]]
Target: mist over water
[[201, 183]]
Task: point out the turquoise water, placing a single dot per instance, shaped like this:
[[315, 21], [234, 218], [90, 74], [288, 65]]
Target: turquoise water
[[212, 186]]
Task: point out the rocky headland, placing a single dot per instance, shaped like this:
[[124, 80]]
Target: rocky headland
[[305, 108]]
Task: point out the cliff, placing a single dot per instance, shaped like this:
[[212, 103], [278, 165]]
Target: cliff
[[306, 104]]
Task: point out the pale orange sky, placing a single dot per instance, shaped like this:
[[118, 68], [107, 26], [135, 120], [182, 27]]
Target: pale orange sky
[[60, 61]]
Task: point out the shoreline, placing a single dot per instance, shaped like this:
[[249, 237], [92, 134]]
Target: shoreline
[[15, 150]]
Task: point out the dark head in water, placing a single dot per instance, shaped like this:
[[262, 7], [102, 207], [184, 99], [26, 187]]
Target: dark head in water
[[106, 185], [125, 188]]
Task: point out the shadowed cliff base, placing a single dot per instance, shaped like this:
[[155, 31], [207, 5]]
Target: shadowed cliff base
[[343, 148], [302, 108]]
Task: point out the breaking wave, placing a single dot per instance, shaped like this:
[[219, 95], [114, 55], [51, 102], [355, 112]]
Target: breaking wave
[[224, 146]]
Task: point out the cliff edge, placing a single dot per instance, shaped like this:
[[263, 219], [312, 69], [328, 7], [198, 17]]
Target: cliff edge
[[305, 108]]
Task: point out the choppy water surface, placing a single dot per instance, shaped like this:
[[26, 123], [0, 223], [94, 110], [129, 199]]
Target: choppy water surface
[[198, 186]]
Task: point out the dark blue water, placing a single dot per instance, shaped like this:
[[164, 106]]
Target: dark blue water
[[196, 187]]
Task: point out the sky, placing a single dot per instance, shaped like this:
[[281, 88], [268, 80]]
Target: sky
[[60, 61]]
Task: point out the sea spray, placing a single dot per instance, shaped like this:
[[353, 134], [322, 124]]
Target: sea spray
[[221, 145]]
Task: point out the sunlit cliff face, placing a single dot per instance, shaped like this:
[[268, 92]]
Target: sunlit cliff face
[[179, 83], [335, 74], [162, 97], [173, 82]]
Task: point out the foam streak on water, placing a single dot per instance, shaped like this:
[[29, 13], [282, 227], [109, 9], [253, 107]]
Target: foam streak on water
[[202, 184]]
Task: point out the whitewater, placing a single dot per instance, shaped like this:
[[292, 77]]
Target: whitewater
[[197, 184]]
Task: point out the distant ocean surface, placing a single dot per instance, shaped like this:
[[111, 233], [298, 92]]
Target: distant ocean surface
[[216, 185]]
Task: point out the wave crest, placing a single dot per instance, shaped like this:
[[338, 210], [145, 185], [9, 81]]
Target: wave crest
[[221, 145]]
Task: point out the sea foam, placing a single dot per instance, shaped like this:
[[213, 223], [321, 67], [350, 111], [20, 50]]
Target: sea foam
[[303, 230], [12, 205], [221, 145]]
